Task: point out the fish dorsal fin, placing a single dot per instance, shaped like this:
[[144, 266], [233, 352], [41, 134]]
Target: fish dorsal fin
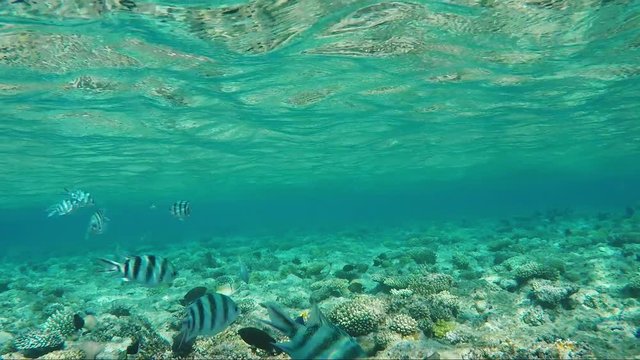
[[316, 317], [280, 320]]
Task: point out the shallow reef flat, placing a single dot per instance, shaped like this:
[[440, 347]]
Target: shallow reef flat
[[553, 285]]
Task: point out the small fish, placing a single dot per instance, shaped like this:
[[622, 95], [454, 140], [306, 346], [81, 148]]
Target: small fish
[[77, 199], [78, 322], [181, 209], [317, 339], [128, 4], [80, 198], [226, 289], [97, 224], [348, 268], [134, 347], [64, 207], [260, 339], [208, 315], [244, 272], [193, 294], [303, 317], [146, 269]]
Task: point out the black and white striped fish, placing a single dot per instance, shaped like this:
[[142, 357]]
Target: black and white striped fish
[[181, 209], [147, 269], [77, 199], [80, 198], [316, 339], [97, 224], [64, 207], [208, 315]]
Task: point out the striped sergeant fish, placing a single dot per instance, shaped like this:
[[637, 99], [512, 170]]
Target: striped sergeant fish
[[97, 224], [181, 209], [80, 198], [208, 315], [77, 199], [316, 339], [147, 269], [64, 207]]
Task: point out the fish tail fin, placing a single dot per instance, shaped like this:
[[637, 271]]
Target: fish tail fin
[[52, 210], [178, 340], [182, 343], [280, 320], [112, 265], [183, 337]]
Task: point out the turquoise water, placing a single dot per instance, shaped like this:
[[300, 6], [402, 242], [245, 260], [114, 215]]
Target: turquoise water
[[284, 121], [269, 101]]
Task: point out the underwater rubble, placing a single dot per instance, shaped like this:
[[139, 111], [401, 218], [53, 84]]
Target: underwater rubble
[[510, 288]]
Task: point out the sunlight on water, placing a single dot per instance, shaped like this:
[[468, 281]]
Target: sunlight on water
[[298, 92]]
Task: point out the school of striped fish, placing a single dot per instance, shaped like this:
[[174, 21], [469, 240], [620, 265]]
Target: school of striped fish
[[76, 199], [212, 313]]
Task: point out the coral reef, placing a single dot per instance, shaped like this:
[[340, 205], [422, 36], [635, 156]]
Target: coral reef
[[534, 270], [61, 322], [419, 310], [460, 261], [443, 306], [550, 295], [403, 324], [308, 271], [508, 284], [430, 283], [247, 305], [37, 343], [67, 354], [359, 316], [533, 316], [441, 328], [294, 299], [512, 308], [382, 339], [226, 345], [133, 327], [325, 289], [423, 256], [120, 309], [390, 282], [401, 293], [47, 338]]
